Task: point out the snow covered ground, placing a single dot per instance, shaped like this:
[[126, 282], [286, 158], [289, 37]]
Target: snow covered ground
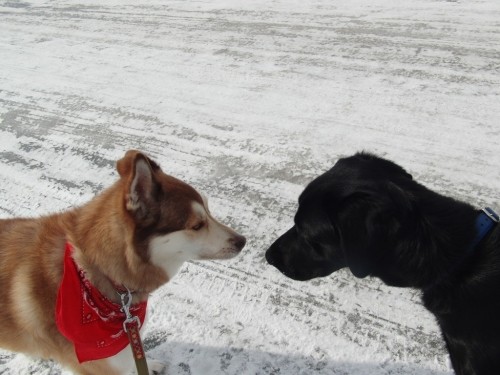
[[248, 101]]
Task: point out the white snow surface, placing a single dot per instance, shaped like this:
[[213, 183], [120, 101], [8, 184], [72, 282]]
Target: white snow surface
[[248, 101]]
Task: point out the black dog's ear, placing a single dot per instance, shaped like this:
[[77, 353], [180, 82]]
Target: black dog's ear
[[356, 230], [367, 221]]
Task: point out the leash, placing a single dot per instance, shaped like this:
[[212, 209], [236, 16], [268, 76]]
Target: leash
[[131, 326]]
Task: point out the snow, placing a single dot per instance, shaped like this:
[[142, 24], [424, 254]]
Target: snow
[[248, 101]]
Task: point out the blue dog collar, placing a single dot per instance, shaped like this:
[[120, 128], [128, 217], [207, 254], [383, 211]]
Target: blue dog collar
[[485, 222]]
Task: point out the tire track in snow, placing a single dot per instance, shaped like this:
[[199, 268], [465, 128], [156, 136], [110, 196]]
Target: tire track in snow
[[248, 102]]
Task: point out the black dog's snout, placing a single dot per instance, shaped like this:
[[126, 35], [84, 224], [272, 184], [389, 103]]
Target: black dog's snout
[[269, 257], [272, 253]]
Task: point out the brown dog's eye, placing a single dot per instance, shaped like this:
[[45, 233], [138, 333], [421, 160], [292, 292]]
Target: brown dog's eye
[[198, 226]]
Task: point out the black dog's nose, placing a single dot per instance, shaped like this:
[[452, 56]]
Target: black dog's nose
[[270, 256], [273, 253]]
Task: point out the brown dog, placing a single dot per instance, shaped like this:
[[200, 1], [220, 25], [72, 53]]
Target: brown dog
[[135, 235]]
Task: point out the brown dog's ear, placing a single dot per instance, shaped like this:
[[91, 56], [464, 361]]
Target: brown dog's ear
[[125, 164], [142, 187]]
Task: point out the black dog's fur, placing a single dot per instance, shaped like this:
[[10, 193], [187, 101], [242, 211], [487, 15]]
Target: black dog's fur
[[368, 214]]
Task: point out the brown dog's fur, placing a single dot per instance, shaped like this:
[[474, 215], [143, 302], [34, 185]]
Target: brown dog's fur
[[112, 236]]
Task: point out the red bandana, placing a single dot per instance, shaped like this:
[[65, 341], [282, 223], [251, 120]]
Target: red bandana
[[87, 318]]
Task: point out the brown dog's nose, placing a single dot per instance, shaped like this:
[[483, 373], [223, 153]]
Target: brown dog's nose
[[238, 242]]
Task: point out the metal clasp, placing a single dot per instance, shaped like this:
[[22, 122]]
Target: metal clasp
[[491, 214], [126, 299]]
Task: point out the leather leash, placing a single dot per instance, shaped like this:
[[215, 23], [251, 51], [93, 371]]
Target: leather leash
[[131, 326]]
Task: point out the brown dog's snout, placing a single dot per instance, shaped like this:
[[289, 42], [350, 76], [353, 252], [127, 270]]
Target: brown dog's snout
[[238, 242]]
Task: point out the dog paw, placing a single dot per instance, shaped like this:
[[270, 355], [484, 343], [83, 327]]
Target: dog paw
[[156, 367]]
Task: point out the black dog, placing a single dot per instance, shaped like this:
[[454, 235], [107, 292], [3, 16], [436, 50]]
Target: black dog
[[368, 214]]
